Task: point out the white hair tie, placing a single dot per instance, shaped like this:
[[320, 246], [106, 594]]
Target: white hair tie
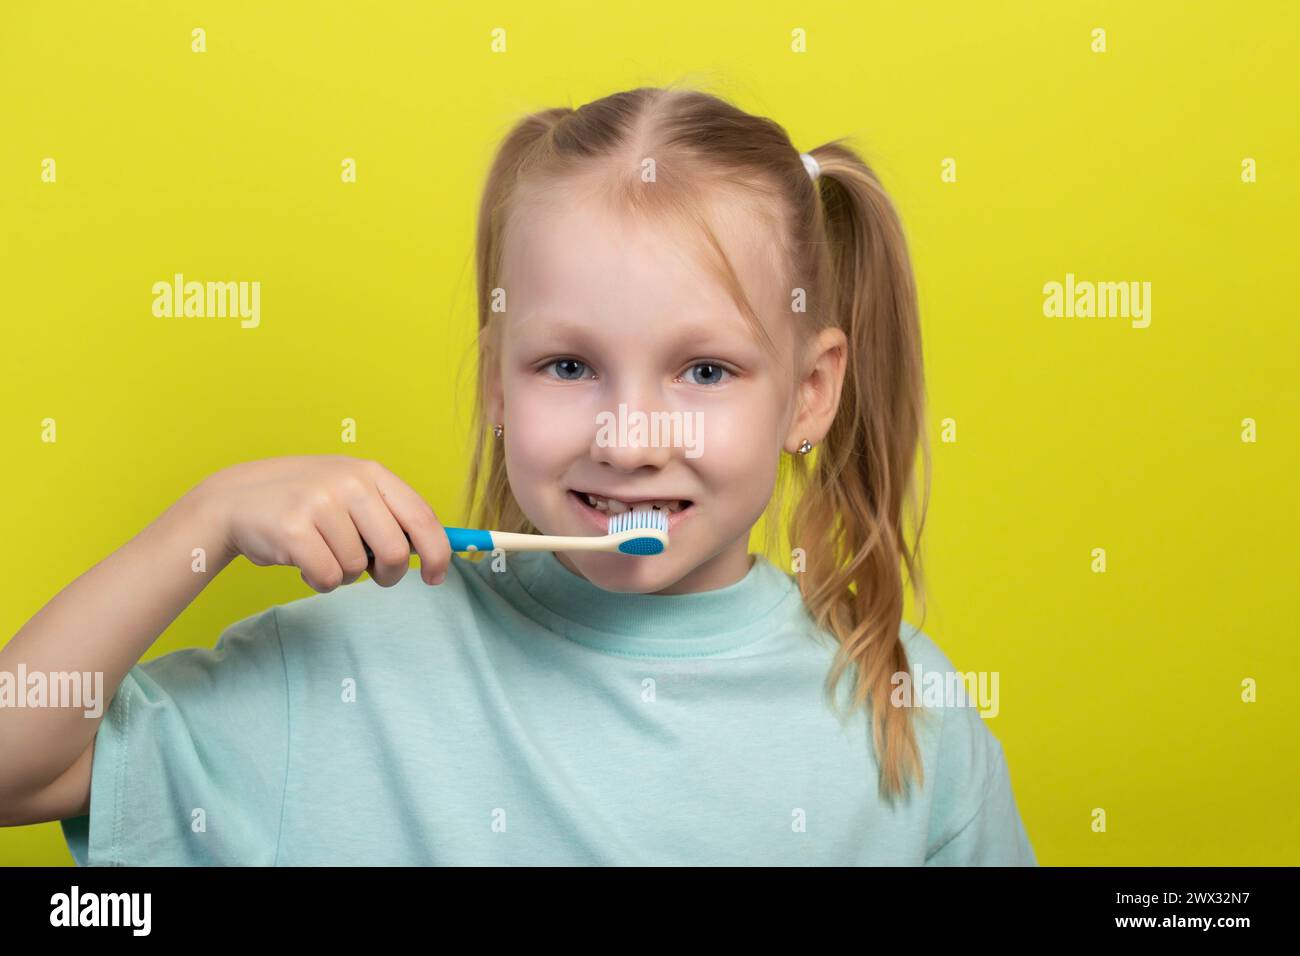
[[810, 164]]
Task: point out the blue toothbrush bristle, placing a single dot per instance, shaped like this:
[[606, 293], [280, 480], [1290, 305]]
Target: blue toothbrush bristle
[[636, 520]]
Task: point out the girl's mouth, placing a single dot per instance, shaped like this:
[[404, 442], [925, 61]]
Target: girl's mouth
[[598, 510]]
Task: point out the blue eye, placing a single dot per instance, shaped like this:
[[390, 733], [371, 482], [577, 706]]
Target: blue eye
[[568, 362], [571, 371], [714, 368]]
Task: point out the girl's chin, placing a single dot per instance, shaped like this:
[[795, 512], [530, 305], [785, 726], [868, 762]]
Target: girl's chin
[[601, 567]]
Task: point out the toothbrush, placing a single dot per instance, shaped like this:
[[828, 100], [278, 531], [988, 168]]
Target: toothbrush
[[643, 532]]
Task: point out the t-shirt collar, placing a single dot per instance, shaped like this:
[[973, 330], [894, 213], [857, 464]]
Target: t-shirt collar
[[649, 625]]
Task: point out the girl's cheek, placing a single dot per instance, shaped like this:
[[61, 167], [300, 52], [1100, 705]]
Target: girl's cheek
[[546, 428], [735, 459], [729, 433]]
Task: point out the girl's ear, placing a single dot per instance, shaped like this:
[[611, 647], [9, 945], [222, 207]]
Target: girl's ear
[[819, 391]]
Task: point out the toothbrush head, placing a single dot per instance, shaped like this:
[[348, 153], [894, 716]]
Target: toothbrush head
[[641, 531]]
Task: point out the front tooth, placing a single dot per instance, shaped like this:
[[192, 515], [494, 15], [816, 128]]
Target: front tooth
[[614, 506]]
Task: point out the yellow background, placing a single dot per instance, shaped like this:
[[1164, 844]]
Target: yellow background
[[1119, 691]]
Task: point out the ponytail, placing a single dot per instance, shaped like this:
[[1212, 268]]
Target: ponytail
[[854, 491]]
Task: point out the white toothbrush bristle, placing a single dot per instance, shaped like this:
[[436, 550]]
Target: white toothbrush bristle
[[639, 519]]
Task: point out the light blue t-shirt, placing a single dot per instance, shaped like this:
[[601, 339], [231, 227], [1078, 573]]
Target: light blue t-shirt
[[527, 717]]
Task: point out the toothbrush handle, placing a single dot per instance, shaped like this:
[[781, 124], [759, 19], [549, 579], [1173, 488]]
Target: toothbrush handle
[[469, 539], [474, 539], [461, 539]]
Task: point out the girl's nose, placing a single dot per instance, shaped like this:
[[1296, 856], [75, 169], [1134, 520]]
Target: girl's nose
[[629, 438]]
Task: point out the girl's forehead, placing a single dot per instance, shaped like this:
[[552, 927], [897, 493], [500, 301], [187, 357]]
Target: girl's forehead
[[580, 256]]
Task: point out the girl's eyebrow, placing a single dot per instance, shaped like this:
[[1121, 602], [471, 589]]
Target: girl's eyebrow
[[697, 333]]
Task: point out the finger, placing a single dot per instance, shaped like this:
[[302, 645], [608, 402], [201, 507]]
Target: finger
[[421, 525], [340, 533], [383, 535], [312, 555]]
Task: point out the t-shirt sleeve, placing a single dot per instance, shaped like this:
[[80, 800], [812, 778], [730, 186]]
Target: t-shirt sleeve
[[191, 756], [974, 821]]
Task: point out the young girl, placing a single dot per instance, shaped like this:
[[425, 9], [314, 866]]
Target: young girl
[[659, 253]]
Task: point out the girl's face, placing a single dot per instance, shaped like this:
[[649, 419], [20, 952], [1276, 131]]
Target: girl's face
[[608, 321]]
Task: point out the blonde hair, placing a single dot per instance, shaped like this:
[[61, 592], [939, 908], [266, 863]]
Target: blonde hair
[[840, 240]]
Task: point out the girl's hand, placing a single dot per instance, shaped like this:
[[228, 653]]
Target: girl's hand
[[312, 512]]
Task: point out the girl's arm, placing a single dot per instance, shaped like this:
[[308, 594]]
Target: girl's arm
[[104, 621], [308, 511]]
